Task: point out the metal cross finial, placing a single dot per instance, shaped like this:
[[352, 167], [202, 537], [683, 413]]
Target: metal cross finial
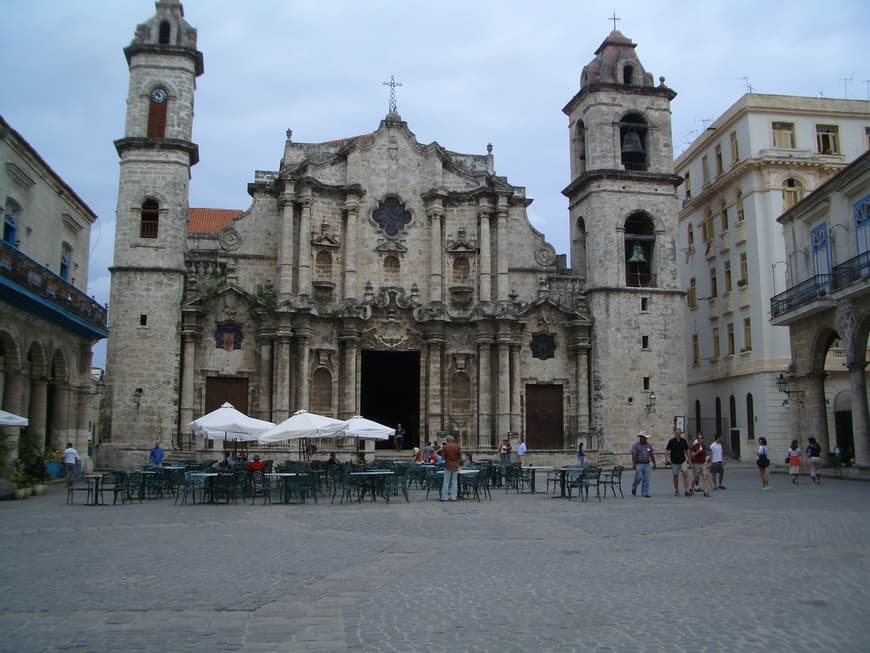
[[614, 19], [392, 84]]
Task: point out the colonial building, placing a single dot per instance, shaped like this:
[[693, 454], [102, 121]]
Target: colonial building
[[48, 325], [755, 161], [379, 275], [827, 311]]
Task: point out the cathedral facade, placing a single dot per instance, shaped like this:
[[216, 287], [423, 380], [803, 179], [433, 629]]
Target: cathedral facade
[[381, 276]]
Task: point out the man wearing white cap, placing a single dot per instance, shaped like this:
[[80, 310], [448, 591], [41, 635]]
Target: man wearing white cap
[[642, 456]]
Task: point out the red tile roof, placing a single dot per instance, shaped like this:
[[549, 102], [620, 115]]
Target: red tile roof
[[209, 221]]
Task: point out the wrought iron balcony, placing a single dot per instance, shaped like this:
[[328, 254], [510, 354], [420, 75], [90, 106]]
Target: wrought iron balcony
[[843, 276], [35, 288]]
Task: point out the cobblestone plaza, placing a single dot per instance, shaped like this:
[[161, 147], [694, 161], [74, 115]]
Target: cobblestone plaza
[[743, 570]]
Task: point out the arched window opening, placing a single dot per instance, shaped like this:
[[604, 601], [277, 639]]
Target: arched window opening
[[632, 137], [732, 411], [10, 222], [628, 74], [750, 417], [581, 140], [719, 428], [165, 33], [158, 102], [323, 266], [461, 270], [391, 269], [639, 251], [792, 193], [65, 256], [321, 391], [150, 218]]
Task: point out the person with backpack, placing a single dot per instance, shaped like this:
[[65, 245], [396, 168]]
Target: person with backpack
[[676, 454], [814, 456]]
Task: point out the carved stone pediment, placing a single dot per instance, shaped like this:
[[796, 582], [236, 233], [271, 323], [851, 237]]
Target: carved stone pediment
[[462, 244]]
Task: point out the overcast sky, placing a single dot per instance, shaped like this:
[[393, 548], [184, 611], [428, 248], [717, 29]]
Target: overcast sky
[[472, 72]]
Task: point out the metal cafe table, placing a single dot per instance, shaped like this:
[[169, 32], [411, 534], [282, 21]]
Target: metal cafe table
[[283, 480], [372, 481], [209, 483], [533, 469]]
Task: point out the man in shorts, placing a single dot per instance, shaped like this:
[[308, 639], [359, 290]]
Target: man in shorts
[[699, 456], [717, 463], [676, 455]]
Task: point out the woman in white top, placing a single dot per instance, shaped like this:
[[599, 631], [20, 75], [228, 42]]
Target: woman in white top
[[763, 462]]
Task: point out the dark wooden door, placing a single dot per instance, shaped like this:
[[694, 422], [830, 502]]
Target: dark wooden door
[[219, 389], [544, 417]]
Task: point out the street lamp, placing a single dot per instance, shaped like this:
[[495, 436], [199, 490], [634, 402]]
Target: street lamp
[[651, 401], [782, 386]]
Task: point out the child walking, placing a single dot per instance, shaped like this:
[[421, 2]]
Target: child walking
[[794, 461]]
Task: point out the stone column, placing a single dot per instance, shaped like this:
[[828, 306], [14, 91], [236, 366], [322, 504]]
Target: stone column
[[484, 394], [813, 406], [12, 403], [83, 402], [349, 339], [265, 342], [860, 419], [503, 415], [305, 247], [436, 247], [502, 250], [281, 384], [485, 281], [303, 387], [516, 382], [285, 245], [435, 411], [37, 417], [190, 336], [351, 205], [579, 347]]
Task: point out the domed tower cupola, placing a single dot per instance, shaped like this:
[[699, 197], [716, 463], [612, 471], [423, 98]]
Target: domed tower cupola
[[616, 62], [167, 29]]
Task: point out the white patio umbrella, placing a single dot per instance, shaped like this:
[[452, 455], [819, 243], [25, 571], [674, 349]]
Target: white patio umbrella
[[358, 427], [228, 423], [11, 419], [300, 424]]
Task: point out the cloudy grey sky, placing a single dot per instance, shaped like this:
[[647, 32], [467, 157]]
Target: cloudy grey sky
[[473, 72]]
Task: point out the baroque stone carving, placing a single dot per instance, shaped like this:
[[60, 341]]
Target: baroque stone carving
[[229, 239]]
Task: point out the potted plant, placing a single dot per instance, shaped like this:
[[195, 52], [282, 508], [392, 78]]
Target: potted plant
[[53, 466], [22, 485]]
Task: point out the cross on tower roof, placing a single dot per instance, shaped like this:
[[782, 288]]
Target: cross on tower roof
[[614, 19], [392, 84]]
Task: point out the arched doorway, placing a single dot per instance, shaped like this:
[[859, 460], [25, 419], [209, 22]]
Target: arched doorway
[[845, 439], [390, 392]]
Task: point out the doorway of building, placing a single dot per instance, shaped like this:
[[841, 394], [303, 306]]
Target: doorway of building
[[220, 389], [544, 416], [845, 438], [390, 392]]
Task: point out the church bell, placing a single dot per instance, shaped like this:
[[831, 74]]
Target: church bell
[[637, 255], [631, 143]]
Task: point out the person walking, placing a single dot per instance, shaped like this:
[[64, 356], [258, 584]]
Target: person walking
[[504, 452], [452, 454], [676, 454], [717, 463], [794, 461], [521, 450], [763, 462], [814, 456], [400, 437], [581, 456], [699, 456], [70, 458], [156, 455], [642, 456]]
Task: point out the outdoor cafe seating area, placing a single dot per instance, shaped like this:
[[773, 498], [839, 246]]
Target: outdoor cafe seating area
[[191, 483]]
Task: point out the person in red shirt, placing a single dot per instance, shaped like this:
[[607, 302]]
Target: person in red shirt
[[452, 454], [256, 465], [698, 455]]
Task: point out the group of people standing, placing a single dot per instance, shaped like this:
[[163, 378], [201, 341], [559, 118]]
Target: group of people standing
[[679, 454]]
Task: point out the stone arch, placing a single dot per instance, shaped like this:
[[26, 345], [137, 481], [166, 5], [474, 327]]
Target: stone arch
[[321, 391], [37, 361], [59, 370], [640, 239], [10, 352], [634, 141]]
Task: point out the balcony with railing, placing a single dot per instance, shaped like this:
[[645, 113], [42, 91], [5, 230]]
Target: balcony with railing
[[33, 287]]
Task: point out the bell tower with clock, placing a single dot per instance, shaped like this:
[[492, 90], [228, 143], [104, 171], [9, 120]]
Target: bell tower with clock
[[623, 212], [156, 155]]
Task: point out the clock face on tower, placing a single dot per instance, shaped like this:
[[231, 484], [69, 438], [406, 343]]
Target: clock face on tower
[[159, 95]]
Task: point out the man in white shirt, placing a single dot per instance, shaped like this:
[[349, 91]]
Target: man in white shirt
[[70, 458], [521, 450], [717, 463]]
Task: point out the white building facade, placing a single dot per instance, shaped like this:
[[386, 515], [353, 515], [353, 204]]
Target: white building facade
[[762, 156]]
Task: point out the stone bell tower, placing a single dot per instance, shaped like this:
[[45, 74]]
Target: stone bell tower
[[156, 154], [623, 212]]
